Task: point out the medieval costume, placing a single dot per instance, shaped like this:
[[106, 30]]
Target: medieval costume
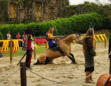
[[89, 53], [24, 43], [50, 38], [30, 48]]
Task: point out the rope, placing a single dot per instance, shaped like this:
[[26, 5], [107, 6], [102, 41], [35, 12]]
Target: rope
[[43, 76], [65, 82]]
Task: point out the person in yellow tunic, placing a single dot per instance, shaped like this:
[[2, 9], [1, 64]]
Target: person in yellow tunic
[[50, 38]]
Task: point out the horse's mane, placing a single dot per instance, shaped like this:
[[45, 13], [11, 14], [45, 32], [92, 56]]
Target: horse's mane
[[66, 36]]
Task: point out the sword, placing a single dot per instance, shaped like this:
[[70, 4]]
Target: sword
[[21, 59], [109, 53]]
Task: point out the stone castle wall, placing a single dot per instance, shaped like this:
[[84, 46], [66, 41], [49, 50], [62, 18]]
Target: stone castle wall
[[39, 10]]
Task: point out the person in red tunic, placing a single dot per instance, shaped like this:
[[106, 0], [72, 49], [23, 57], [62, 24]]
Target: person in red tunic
[[18, 36], [29, 51]]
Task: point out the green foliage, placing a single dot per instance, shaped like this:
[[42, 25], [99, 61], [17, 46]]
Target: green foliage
[[63, 26], [19, 2], [87, 7], [1, 35], [13, 29]]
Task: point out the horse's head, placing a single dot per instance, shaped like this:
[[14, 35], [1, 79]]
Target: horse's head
[[70, 38]]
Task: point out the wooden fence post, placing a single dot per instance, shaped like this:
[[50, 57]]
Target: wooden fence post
[[105, 43], [109, 54], [34, 48], [10, 43], [23, 74]]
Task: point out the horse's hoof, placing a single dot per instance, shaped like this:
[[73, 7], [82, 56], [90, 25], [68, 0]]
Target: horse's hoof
[[73, 62], [28, 68], [35, 64]]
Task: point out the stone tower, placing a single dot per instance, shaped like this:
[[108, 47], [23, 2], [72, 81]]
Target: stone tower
[[35, 10]]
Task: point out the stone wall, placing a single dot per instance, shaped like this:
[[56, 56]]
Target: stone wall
[[39, 10], [3, 11], [43, 10]]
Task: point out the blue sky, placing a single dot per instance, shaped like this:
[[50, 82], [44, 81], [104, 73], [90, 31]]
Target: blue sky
[[75, 2]]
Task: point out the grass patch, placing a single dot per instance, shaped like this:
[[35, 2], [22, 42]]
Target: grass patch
[[20, 52]]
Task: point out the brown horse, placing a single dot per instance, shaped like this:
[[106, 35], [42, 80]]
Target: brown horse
[[63, 49]]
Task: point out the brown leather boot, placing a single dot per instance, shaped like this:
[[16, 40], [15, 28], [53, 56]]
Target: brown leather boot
[[91, 79], [88, 77]]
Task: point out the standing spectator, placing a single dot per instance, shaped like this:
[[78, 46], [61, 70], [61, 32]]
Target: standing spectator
[[18, 35], [30, 48], [29, 51], [24, 43], [8, 36], [24, 36], [89, 53]]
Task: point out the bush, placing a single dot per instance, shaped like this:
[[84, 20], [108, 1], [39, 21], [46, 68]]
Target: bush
[[1, 35], [73, 24]]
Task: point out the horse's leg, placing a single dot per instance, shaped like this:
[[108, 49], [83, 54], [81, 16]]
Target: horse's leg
[[71, 57], [41, 60], [38, 62], [48, 61]]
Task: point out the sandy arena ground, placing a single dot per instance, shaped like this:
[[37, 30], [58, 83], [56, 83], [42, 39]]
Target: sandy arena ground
[[61, 72]]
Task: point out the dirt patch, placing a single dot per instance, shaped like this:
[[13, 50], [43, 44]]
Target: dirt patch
[[61, 73]]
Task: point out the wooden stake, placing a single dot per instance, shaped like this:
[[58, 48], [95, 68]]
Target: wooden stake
[[23, 74], [34, 48], [11, 50], [105, 43]]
